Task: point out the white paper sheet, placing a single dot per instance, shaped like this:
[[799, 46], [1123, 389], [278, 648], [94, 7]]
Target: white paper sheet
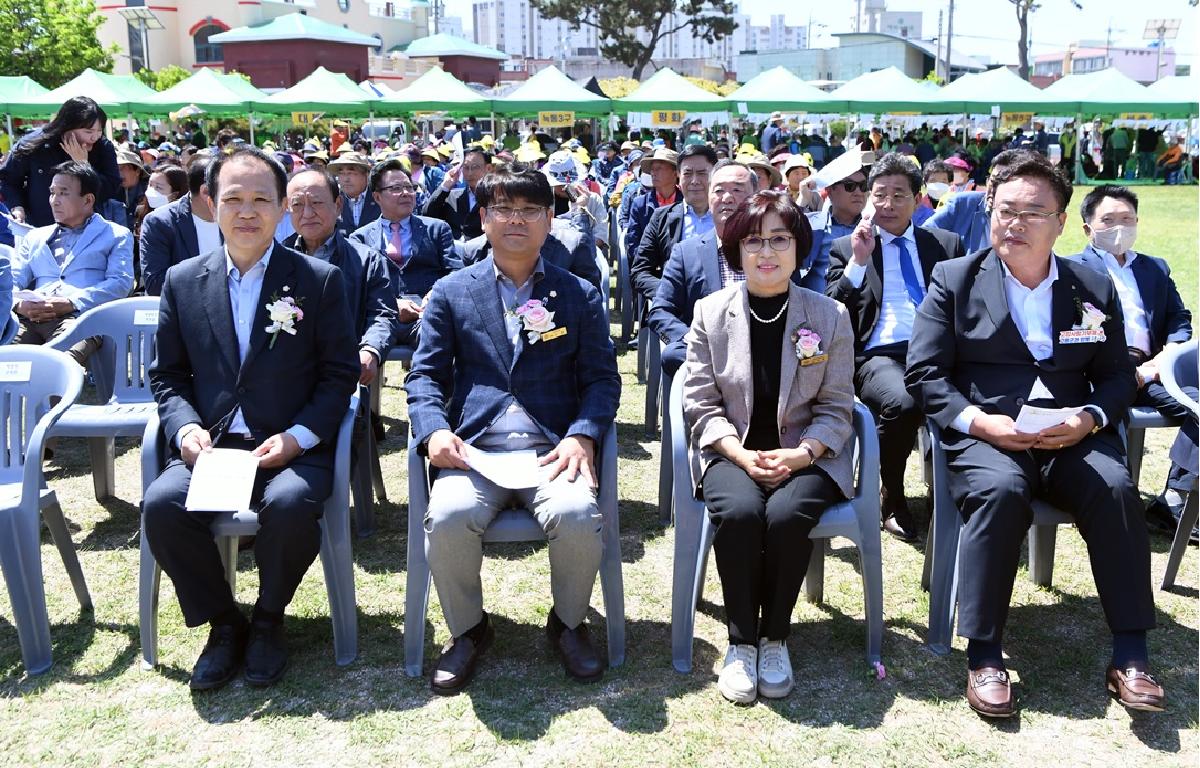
[[511, 469], [27, 295], [1033, 419], [222, 481]]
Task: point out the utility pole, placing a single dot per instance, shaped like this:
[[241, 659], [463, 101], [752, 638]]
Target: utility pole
[[949, 38], [937, 62]]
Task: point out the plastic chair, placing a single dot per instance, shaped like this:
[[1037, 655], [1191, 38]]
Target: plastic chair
[[30, 376], [367, 483], [941, 547], [628, 300], [336, 557], [1180, 370], [605, 277], [509, 526], [1141, 419], [856, 519], [666, 463], [123, 362]]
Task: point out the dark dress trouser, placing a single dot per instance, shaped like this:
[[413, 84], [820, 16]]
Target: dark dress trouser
[[879, 382], [289, 503], [992, 489]]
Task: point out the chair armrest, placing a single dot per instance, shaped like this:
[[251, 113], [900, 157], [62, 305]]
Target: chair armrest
[[866, 438], [1167, 374], [31, 476]]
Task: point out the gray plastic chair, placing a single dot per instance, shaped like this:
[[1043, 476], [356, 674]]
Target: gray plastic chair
[[941, 547], [336, 557], [1141, 419], [625, 295], [367, 484], [30, 376], [856, 519], [509, 526], [1180, 370], [666, 463], [128, 327], [605, 278]]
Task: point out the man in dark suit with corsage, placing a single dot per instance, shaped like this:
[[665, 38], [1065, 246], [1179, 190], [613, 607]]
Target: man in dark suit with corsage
[[514, 355], [255, 351]]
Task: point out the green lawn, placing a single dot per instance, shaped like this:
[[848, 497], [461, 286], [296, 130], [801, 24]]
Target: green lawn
[[98, 707]]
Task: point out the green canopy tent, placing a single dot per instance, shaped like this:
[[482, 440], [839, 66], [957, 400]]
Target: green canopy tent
[[16, 90], [1178, 93], [116, 93], [779, 89], [435, 91], [213, 92], [550, 90], [669, 90], [978, 92], [885, 90], [321, 91]]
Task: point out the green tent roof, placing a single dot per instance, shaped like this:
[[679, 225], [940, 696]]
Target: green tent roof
[[14, 90], [667, 89], [886, 90], [550, 89], [116, 93], [435, 91], [978, 92], [293, 26], [211, 91], [780, 89], [1107, 92], [443, 44], [322, 91], [1178, 90]]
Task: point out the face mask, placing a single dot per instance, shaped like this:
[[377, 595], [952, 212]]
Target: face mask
[[155, 199], [646, 179], [1115, 240], [935, 189]]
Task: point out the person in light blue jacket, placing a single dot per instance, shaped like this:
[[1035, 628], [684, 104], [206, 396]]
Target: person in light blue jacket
[[6, 290]]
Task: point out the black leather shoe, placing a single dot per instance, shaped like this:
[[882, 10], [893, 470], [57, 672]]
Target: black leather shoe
[[575, 650], [221, 658], [1165, 517], [266, 653], [456, 666], [897, 520]]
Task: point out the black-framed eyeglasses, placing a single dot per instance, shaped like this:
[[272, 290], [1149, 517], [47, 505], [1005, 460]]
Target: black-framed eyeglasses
[[398, 189]]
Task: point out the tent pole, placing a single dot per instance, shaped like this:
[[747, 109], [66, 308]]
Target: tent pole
[[1080, 177], [128, 125], [12, 138], [251, 127]]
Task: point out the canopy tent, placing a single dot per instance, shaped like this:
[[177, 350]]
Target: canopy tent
[[212, 92], [116, 93], [780, 89], [435, 91], [978, 92], [321, 91], [551, 90], [1178, 92], [378, 90], [667, 89], [885, 90], [15, 90], [1107, 92]]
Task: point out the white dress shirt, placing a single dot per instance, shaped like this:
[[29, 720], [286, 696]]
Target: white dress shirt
[[897, 311], [208, 235], [1137, 329]]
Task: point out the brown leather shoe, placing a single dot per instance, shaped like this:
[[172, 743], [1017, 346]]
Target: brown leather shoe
[[575, 650], [989, 692], [456, 666], [897, 520], [1136, 689]]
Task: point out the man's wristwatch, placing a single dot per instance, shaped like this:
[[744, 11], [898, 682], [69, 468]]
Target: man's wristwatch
[[1097, 418], [812, 458]]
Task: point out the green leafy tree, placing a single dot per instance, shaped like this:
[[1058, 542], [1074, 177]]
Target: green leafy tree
[[1024, 8], [633, 46], [162, 79], [51, 41]]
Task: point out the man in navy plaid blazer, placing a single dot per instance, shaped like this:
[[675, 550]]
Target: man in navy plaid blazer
[[514, 354]]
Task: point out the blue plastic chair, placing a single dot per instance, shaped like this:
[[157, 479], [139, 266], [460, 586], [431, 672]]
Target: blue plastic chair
[[627, 298], [336, 557], [121, 369], [605, 278], [1180, 370], [509, 526], [30, 377], [856, 519]]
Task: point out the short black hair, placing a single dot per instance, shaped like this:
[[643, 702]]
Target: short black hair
[[698, 150], [327, 177], [1012, 157], [243, 153], [387, 166], [747, 220], [727, 163], [1034, 166], [513, 181], [478, 150], [896, 164], [89, 180], [1093, 199], [936, 166], [224, 136], [197, 171]]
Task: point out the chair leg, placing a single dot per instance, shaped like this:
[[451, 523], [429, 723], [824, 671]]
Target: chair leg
[[1041, 554], [416, 605], [360, 485], [57, 524], [1183, 533], [653, 383], [942, 564], [376, 470], [643, 338], [21, 564], [685, 587], [666, 462], [228, 547], [149, 579], [814, 580], [612, 585], [1135, 443], [102, 451], [338, 566]]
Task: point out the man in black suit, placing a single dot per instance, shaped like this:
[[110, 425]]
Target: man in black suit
[[179, 231], [674, 223], [1012, 325], [457, 206], [358, 205], [222, 378], [879, 272]]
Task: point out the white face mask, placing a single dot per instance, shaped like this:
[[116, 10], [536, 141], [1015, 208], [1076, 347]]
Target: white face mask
[[155, 199], [936, 189], [1116, 240], [646, 179]]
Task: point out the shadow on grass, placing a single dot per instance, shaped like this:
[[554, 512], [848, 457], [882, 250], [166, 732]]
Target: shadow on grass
[[70, 641]]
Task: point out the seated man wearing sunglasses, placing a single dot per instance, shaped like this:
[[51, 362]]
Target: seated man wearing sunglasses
[[846, 192]]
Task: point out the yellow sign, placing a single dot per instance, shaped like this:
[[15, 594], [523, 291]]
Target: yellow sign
[[1011, 120], [556, 119], [306, 118], [1136, 116], [667, 118]]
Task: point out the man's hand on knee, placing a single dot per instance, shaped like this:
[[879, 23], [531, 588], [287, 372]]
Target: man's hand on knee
[[277, 451], [193, 444], [447, 451], [575, 456]]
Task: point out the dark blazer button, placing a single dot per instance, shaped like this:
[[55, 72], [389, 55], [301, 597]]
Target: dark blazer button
[[783, 430], [1020, 401], [241, 390]]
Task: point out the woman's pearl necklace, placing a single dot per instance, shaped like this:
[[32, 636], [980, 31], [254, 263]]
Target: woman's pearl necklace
[[778, 314]]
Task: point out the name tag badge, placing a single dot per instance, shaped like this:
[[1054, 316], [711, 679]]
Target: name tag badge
[[552, 335], [145, 317], [1082, 336], [814, 360], [20, 370]]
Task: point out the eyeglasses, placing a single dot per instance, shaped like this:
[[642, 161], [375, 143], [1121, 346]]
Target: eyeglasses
[[504, 214], [898, 198], [1007, 216], [398, 189], [850, 186], [755, 244]]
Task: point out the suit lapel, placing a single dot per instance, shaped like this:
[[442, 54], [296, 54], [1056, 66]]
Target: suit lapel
[[187, 227], [419, 236], [874, 276], [710, 262], [1147, 282], [1062, 305], [995, 302], [94, 227], [214, 288], [485, 297], [929, 253], [796, 319], [739, 341], [279, 271]]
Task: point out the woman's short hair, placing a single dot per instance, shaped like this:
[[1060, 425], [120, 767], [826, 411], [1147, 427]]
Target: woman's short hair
[[748, 218]]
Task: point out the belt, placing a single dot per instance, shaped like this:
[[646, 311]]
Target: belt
[[1137, 356]]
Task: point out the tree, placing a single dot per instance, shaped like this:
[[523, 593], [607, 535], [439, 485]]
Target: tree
[[51, 41], [633, 46], [1024, 8], [162, 79]]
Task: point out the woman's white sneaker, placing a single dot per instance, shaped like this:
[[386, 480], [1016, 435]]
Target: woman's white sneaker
[[738, 680], [774, 669]]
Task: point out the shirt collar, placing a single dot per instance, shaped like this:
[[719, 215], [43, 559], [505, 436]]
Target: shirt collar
[[906, 235], [689, 211], [1111, 260], [77, 230], [539, 271], [1050, 278], [325, 247], [231, 268]]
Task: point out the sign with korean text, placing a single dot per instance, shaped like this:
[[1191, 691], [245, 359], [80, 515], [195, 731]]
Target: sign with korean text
[[1136, 116], [306, 118], [557, 119], [1013, 120], [667, 118]]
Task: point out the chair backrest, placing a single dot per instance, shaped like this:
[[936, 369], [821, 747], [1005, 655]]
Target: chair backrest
[[605, 274], [1179, 371], [121, 367], [36, 386]]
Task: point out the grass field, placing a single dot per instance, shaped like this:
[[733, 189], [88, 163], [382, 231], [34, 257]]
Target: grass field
[[97, 707]]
